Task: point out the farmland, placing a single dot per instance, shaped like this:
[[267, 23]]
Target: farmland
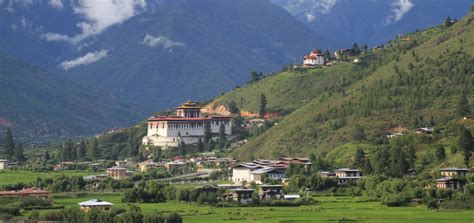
[[16, 176], [326, 209]]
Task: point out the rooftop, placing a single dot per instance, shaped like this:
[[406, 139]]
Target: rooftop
[[95, 202]]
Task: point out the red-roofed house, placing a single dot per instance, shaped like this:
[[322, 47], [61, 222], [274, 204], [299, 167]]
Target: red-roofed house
[[314, 58], [27, 192]]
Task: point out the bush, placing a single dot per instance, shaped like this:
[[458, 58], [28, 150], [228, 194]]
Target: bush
[[394, 200], [432, 205]]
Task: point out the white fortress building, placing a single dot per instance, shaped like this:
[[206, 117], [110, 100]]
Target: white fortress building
[[314, 58], [187, 126]]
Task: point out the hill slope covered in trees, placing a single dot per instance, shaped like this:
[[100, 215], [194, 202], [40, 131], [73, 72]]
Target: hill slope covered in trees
[[415, 81]]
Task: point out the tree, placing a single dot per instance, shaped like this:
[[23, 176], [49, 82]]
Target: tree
[[94, 149], [154, 218], [222, 137], [200, 146], [355, 49], [358, 133], [19, 156], [73, 215], [69, 150], [132, 148], [368, 167], [255, 76], [440, 153], [47, 156], [359, 160], [174, 218], [9, 143], [207, 132], [182, 148], [466, 144], [211, 145], [157, 155], [262, 106], [464, 109], [81, 149], [448, 21], [232, 107]]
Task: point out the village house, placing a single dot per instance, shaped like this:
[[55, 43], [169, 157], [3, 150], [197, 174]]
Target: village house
[[242, 195], [95, 204], [177, 166], [147, 165], [207, 189], [94, 181], [117, 173], [454, 172], [306, 162], [327, 174], [450, 183], [291, 197], [347, 175], [270, 192], [425, 131], [314, 58], [241, 172], [188, 126], [396, 132], [339, 54], [269, 172], [3, 164], [28, 192]]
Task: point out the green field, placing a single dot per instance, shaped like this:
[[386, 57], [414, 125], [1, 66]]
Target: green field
[[16, 176], [327, 209]]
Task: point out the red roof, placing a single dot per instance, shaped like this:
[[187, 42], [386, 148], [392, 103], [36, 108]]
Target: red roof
[[26, 191], [177, 118]]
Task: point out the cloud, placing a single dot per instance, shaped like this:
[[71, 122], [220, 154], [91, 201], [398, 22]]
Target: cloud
[[98, 15], [88, 58], [399, 9], [163, 41], [57, 4], [55, 37], [310, 9]]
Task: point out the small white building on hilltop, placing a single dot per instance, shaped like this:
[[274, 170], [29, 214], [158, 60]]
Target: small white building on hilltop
[[187, 126], [314, 58]]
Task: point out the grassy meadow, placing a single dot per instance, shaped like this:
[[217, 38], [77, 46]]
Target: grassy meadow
[[326, 209], [16, 176]]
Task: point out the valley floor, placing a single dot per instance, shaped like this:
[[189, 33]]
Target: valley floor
[[326, 209]]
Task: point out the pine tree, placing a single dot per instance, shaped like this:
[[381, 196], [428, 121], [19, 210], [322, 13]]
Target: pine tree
[[262, 106], [368, 167], [82, 149], [207, 132], [47, 156], [182, 148], [211, 145], [466, 144], [9, 143], [464, 109], [200, 146], [440, 153], [19, 156], [94, 149], [232, 107], [359, 161], [157, 155], [222, 138], [131, 146]]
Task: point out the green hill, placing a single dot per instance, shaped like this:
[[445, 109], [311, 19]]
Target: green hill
[[36, 103], [414, 80]]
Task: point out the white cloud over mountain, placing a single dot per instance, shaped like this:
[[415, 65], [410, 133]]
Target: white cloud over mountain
[[163, 41], [57, 4], [88, 58], [97, 16], [399, 9]]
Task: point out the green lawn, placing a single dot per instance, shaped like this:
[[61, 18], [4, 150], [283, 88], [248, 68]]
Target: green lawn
[[15, 176], [328, 209]]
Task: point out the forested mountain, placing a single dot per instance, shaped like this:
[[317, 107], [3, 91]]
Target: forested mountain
[[159, 53], [416, 81], [371, 22], [34, 103]]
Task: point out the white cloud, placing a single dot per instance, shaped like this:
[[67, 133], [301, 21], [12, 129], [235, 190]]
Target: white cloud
[[98, 15], [55, 37], [57, 4], [88, 58], [163, 41], [399, 9]]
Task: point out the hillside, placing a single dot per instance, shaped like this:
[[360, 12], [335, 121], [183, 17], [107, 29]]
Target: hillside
[[415, 78], [36, 103]]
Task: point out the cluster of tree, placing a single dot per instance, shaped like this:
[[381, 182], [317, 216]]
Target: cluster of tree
[[61, 183], [12, 149], [255, 76], [81, 151], [132, 214], [153, 192], [11, 206]]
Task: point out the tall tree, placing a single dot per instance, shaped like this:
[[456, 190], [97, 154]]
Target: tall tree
[[222, 137], [132, 150], [200, 146], [359, 161], [182, 148], [9, 143], [82, 149], [262, 106], [94, 149], [207, 131], [19, 155], [466, 144], [355, 49], [464, 109], [440, 153], [157, 155], [47, 156], [232, 107]]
